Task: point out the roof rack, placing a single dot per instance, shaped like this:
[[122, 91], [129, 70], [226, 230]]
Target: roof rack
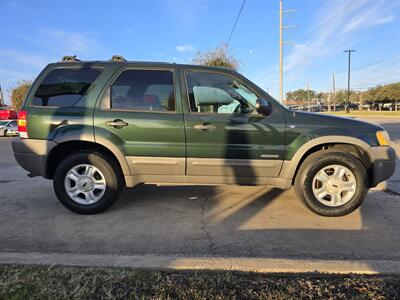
[[118, 58], [69, 58]]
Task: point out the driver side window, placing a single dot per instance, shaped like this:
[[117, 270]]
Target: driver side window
[[218, 93]]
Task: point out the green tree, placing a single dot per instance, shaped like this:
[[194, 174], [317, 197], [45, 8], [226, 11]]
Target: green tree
[[341, 96], [383, 93], [18, 94], [300, 95], [219, 57]]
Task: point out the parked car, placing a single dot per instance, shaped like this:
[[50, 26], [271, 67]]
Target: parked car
[[7, 114], [96, 127], [8, 128]]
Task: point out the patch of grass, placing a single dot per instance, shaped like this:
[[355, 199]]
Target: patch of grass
[[41, 282], [365, 113]]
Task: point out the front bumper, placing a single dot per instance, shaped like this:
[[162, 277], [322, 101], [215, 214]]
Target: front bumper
[[12, 132], [31, 154], [383, 164]]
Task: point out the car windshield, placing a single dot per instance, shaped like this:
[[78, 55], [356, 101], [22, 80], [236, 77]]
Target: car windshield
[[3, 123]]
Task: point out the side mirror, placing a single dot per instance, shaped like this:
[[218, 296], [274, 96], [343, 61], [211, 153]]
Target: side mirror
[[263, 107]]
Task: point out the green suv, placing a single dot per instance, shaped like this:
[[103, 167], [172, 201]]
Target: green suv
[[96, 127]]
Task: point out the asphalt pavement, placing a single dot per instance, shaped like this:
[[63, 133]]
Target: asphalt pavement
[[252, 224]]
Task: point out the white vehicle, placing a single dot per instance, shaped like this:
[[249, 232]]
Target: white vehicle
[[8, 128]]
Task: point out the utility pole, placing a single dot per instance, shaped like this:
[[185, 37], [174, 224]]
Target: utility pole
[[329, 101], [348, 80], [1, 97], [281, 52], [281, 43], [333, 92], [308, 96]]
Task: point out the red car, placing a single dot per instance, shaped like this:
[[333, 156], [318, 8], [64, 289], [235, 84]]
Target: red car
[[7, 114]]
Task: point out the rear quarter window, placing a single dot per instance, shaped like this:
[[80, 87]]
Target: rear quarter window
[[65, 87]]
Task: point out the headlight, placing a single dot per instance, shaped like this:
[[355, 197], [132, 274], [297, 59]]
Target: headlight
[[383, 138]]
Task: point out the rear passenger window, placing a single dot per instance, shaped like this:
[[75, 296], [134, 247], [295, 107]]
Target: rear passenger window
[[151, 90], [65, 87]]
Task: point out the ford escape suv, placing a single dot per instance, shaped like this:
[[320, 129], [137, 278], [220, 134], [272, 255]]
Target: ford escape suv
[[96, 127]]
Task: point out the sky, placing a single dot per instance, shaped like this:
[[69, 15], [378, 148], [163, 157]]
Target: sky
[[37, 32]]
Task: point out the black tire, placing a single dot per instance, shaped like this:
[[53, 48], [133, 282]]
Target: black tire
[[313, 164], [5, 133], [108, 168]]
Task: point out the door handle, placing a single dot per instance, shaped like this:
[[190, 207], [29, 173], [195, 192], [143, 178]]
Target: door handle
[[204, 127], [117, 123]]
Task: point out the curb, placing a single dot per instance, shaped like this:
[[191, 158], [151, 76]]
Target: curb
[[263, 265]]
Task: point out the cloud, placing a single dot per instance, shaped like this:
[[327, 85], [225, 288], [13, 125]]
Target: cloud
[[16, 66], [334, 33], [185, 48], [368, 17], [24, 63], [26, 60], [337, 27], [385, 19], [378, 73], [69, 41]]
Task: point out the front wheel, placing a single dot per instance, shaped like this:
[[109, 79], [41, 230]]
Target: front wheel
[[87, 183], [332, 183]]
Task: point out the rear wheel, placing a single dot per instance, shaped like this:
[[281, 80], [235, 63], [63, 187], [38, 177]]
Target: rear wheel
[[332, 183], [87, 183], [5, 133]]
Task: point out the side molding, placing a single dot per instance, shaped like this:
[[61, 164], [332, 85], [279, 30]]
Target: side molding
[[233, 167], [152, 165]]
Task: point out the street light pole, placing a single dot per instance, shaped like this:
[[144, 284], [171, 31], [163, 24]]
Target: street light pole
[[348, 80], [308, 96], [281, 52], [1, 97]]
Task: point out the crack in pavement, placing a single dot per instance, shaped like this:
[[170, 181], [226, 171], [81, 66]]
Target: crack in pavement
[[386, 217], [390, 192], [205, 223]]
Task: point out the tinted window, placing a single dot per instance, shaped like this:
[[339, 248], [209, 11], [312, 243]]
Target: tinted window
[[217, 93], [65, 87], [143, 90], [13, 123]]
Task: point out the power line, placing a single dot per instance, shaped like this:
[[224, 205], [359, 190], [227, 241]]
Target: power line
[[237, 19], [380, 62], [373, 64]]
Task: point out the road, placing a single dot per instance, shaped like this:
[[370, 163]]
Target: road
[[228, 221]]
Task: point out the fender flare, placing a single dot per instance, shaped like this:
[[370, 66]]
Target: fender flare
[[289, 167], [89, 137]]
